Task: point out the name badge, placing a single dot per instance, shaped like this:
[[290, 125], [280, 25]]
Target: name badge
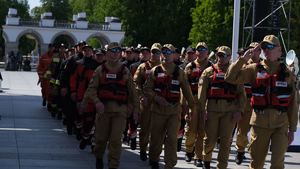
[[196, 70], [161, 74], [281, 84], [111, 76], [148, 71], [220, 75], [261, 74], [175, 82]]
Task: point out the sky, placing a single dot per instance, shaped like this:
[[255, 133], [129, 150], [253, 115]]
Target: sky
[[33, 3]]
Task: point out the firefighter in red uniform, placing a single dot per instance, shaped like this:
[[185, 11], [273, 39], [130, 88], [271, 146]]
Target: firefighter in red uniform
[[41, 70], [79, 83], [53, 74], [111, 89]]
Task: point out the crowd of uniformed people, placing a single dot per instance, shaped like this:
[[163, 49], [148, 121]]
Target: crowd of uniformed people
[[104, 95]]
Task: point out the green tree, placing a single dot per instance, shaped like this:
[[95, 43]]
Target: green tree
[[30, 45], [61, 9], [23, 11], [212, 22], [37, 12], [162, 21]]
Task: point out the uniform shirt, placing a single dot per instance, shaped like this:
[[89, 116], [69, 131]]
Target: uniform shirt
[[140, 74], [270, 118], [184, 85], [111, 106], [218, 105], [44, 64]]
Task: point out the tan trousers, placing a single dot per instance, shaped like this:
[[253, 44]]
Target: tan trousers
[[109, 129], [164, 131], [260, 141], [218, 125], [145, 125], [194, 140], [243, 128]]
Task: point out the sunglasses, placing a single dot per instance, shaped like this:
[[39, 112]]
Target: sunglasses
[[221, 55], [157, 53], [167, 52], [115, 50], [268, 46], [201, 49]]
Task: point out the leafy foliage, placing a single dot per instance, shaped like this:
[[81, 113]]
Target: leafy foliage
[[212, 22]]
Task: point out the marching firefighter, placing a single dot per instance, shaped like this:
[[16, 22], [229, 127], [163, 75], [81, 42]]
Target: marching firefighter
[[69, 106], [53, 74], [194, 139], [243, 126], [274, 102], [79, 83], [190, 57], [41, 70], [132, 131], [163, 88], [221, 104], [139, 79], [111, 89]]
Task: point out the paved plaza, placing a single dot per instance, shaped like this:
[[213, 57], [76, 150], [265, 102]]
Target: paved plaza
[[31, 139]]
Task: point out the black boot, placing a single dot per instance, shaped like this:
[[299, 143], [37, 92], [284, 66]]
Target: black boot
[[240, 156], [188, 157], [143, 156], [99, 163], [206, 165], [198, 163], [133, 143], [83, 144], [44, 102], [154, 165], [179, 143], [125, 138]]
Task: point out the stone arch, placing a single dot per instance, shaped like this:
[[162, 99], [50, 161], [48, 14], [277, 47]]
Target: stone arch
[[35, 34], [104, 40], [65, 33]]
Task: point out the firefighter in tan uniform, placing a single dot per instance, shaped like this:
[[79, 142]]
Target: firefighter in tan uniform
[[194, 139], [243, 126], [140, 76], [275, 114], [222, 104], [112, 90], [163, 88]]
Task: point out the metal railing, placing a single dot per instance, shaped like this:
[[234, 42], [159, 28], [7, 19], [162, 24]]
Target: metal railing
[[65, 24]]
